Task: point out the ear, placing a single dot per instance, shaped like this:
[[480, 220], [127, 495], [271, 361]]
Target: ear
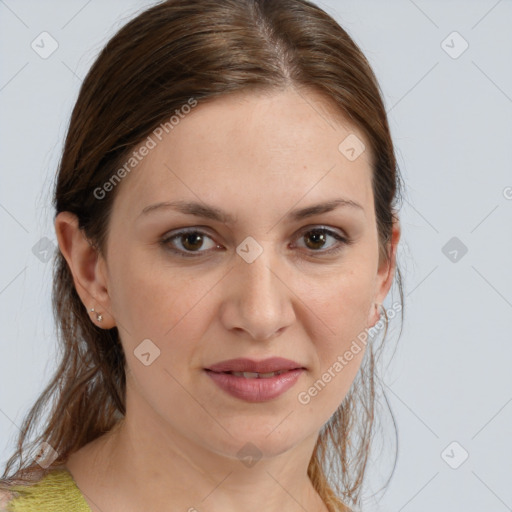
[[87, 267], [385, 274]]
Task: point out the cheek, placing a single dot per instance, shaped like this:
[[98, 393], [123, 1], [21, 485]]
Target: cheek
[[340, 351], [338, 311], [339, 303], [164, 306], [151, 300]]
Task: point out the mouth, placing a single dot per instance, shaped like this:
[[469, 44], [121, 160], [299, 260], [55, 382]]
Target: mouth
[[255, 375], [256, 386], [251, 369], [255, 381]]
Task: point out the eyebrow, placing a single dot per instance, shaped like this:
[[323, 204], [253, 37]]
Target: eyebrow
[[213, 213]]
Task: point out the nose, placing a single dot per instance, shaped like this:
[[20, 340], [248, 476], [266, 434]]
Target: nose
[[259, 299]]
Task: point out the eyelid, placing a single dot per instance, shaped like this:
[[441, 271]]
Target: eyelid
[[323, 227], [343, 239], [167, 238]]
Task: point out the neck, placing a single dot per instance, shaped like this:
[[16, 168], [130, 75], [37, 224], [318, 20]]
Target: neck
[[143, 464]]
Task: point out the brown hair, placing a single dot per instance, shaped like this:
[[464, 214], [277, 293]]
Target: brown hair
[[169, 53]]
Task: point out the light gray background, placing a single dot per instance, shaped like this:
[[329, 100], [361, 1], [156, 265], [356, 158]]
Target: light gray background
[[451, 120]]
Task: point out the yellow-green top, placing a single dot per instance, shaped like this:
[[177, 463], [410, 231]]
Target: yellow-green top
[[55, 492]]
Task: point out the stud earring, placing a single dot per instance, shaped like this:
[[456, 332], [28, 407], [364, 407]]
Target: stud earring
[[99, 317]]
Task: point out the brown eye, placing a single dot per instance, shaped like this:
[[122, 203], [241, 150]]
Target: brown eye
[[191, 241], [317, 237], [188, 243], [316, 241]]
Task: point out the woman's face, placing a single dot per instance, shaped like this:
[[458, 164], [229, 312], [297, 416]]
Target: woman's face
[[261, 284]]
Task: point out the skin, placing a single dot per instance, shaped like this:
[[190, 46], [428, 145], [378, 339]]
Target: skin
[[257, 157]]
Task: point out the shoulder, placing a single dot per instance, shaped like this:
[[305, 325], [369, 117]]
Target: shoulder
[[54, 492], [5, 497]]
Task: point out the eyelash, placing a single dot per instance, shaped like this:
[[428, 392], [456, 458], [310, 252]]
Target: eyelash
[[343, 241]]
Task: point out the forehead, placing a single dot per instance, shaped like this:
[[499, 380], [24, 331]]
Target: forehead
[[253, 150]]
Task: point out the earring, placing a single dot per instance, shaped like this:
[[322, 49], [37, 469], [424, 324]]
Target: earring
[[99, 317]]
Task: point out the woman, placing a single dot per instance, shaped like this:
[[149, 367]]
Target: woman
[[226, 216]]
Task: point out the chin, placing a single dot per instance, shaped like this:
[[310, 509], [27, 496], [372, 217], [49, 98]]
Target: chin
[[268, 439]]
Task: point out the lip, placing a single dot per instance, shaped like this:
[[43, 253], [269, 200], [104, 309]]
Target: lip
[[255, 389], [243, 364]]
